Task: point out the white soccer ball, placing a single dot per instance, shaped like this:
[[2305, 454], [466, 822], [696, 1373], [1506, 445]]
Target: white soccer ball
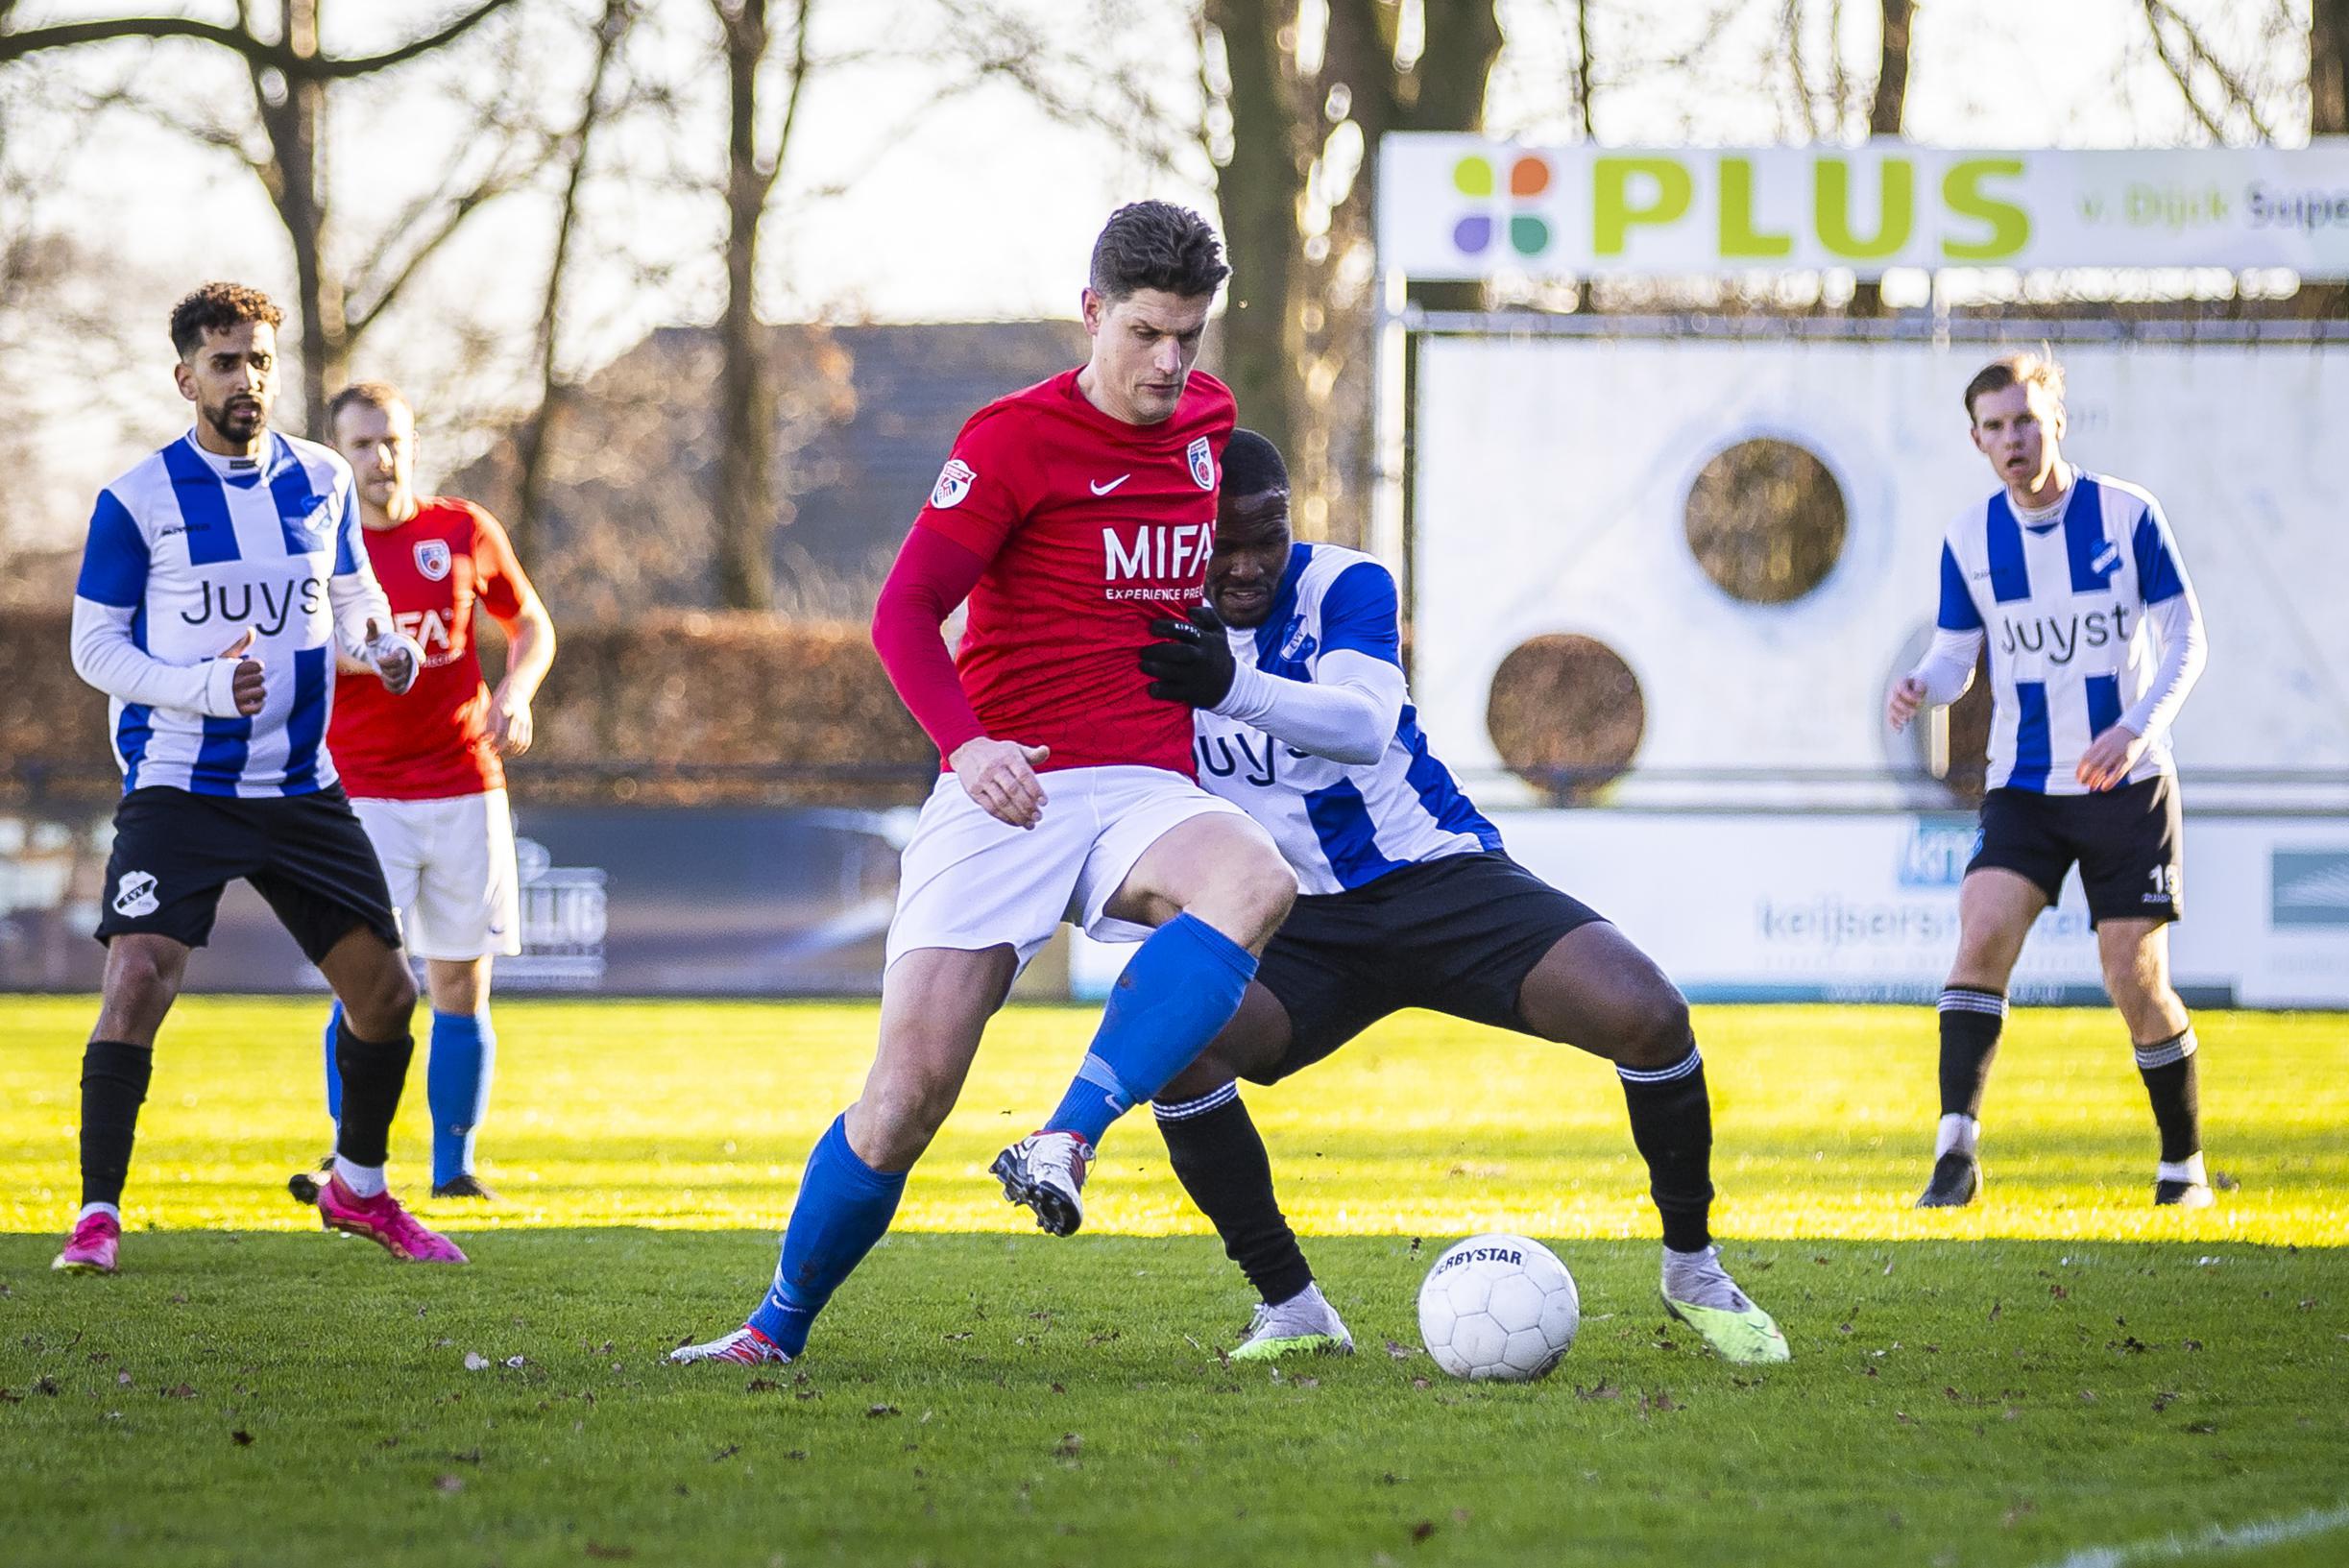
[[1498, 1307]]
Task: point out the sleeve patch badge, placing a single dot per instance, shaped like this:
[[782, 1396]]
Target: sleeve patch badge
[[1203, 463], [953, 483]]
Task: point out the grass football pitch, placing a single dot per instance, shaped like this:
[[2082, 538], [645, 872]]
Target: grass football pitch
[[2060, 1375]]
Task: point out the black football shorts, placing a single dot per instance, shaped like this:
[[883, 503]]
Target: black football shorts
[[1456, 935], [2129, 844], [308, 856]]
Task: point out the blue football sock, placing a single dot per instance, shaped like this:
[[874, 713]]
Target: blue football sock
[[457, 1088], [844, 1206], [335, 1070], [1179, 990]]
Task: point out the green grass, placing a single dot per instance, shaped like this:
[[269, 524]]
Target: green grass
[[2059, 1370]]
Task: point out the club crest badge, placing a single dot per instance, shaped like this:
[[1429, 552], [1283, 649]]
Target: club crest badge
[[1203, 463], [954, 484], [135, 895], [432, 557]]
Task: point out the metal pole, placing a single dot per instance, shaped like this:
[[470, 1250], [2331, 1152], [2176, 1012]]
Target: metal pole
[[1388, 420]]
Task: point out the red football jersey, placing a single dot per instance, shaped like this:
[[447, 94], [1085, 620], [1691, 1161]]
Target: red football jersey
[[432, 742], [1091, 528]]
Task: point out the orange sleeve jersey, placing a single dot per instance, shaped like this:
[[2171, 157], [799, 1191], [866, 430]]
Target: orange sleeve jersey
[[431, 742]]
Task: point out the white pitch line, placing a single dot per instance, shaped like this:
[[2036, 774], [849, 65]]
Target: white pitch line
[[2216, 1538]]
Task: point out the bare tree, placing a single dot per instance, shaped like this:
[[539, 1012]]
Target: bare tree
[[291, 74], [1298, 193], [534, 439], [1887, 115], [2328, 67], [747, 400]]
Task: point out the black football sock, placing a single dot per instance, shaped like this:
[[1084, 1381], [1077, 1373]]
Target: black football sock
[[2171, 1083], [1971, 1022], [1671, 1122], [373, 1077], [1220, 1159], [114, 1077]]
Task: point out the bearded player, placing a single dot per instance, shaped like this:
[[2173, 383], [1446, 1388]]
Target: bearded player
[[1408, 900], [1070, 516], [425, 773], [2095, 637], [222, 578]]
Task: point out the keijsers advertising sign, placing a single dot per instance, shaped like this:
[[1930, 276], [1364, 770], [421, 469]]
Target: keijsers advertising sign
[[1461, 208]]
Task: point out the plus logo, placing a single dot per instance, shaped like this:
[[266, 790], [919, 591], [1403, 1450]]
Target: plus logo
[[1528, 178]]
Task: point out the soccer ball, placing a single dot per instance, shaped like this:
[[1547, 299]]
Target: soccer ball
[[1498, 1307]]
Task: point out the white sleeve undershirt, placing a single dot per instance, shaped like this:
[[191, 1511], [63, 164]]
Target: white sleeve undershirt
[[2185, 650], [1947, 668], [105, 656], [1347, 713]]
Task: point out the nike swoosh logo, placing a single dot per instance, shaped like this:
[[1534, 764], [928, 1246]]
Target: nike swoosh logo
[[1103, 490]]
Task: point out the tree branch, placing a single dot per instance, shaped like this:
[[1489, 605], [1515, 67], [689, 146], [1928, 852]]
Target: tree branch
[[261, 53], [2181, 72]]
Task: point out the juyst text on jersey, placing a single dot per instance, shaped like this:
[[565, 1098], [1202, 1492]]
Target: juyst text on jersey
[[1216, 756], [234, 603], [2060, 637]]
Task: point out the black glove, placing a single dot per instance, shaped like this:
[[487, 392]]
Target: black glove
[[1190, 662]]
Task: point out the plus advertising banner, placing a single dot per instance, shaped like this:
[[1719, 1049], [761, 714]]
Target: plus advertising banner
[[1453, 207]]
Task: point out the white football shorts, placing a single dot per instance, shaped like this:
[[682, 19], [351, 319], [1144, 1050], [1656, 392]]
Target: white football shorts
[[450, 866], [970, 882]]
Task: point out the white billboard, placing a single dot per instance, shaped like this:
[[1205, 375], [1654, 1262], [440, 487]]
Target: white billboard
[[1460, 207], [1552, 483], [1863, 907]]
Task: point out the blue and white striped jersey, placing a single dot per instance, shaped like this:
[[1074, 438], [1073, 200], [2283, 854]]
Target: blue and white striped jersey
[[1340, 826], [2065, 605], [185, 553]]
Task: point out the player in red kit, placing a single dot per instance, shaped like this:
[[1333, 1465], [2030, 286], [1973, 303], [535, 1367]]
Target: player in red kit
[[427, 776], [1070, 517]]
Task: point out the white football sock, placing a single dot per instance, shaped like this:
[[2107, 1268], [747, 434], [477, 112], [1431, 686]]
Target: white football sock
[[2190, 1169], [88, 1209], [1957, 1132], [363, 1180]]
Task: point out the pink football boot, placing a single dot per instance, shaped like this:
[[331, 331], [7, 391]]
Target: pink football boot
[[383, 1222], [90, 1249]]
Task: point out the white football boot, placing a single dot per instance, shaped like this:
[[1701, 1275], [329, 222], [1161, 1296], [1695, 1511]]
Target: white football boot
[[1045, 1172]]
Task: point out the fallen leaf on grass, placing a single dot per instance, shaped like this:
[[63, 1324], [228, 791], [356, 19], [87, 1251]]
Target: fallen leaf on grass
[[475, 1364], [1400, 1352], [1601, 1389], [877, 1412], [761, 1386], [1416, 1383], [122, 1380], [450, 1483], [1422, 1529], [241, 1437], [1069, 1446], [613, 1552], [726, 1452], [180, 1390]]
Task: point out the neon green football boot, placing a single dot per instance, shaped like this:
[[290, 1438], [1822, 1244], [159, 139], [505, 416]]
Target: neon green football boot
[[1700, 1293], [1306, 1324]]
